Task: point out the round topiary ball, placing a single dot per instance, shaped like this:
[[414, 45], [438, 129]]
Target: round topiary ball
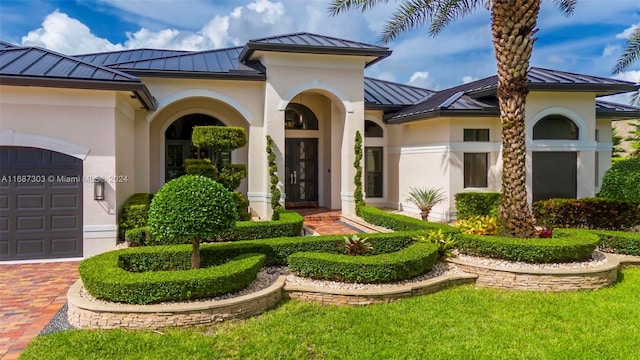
[[190, 207], [621, 182]]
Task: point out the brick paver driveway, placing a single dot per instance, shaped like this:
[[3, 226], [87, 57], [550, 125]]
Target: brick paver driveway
[[30, 295]]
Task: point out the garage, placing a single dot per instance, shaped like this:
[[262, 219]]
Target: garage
[[40, 204]]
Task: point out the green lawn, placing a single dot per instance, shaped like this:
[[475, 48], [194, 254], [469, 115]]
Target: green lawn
[[463, 323]]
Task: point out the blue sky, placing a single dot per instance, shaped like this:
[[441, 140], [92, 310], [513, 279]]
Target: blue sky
[[588, 42]]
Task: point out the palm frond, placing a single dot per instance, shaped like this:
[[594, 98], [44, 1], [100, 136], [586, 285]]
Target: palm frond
[[448, 11], [566, 6], [339, 6], [635, 98], [630, 54], [409, 15]]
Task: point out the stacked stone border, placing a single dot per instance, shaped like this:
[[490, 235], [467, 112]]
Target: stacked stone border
[[84, 313]]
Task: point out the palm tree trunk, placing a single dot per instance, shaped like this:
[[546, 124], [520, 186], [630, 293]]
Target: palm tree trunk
[[513, 24]]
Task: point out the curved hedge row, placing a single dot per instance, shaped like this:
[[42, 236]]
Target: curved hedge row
[[399, 222], [408, 263], [621, 242], [289, 224], [566, 245], [104, 278]]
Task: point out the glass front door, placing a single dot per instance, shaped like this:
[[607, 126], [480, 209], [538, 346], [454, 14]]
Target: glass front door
[[301, 172]]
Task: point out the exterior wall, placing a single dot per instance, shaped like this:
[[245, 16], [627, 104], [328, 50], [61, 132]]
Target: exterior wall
[[123, 180], [580, 108], [83, 119]]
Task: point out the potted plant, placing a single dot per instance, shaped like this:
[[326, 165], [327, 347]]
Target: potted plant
[[425, 199]]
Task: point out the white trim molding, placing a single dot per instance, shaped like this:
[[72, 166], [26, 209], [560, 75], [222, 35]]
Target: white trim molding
[[100, 231], [315, 84], [191, 93], [347, 196], [556, 110], [10, 137], [562, 145], [480, 147]]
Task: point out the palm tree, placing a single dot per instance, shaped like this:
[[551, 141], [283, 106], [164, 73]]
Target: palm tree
[[513, 24], [631, 53]]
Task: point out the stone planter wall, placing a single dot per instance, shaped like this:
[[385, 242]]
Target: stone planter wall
[[375, 296], [86, 314], [543, 279]]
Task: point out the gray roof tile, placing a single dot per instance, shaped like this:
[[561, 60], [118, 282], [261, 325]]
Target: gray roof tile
[[383, 93], [307, 39], [115, 57]]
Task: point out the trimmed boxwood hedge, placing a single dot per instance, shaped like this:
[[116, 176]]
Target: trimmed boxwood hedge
[[621, 242], [127, 275], [104, 279], [134, 213], [469, 204], [407, 263], [566, 245], [399, 222], [289, 225]]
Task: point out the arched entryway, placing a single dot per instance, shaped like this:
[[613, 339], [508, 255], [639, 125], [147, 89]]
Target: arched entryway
[[555, 173], [178, 146]]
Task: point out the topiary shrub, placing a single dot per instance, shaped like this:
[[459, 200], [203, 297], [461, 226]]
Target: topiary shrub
[[289, 224], [588, 213], [134, 213], [137, 236], [357, 178], [399, 222], [622, 181], [621, 242], [189, 209], [566, 245], [470, 204], [218, 138], [202, 167], [273, 180], [231, 175], [407, 263]]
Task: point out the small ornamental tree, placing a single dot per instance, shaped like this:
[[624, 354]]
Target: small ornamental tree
[[219, 139], [357, 179], [190, 209]]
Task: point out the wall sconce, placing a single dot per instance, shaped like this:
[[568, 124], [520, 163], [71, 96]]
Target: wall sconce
[[98, 189]]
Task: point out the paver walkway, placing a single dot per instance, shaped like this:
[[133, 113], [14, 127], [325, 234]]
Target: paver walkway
[[325, 221], [30, 295]]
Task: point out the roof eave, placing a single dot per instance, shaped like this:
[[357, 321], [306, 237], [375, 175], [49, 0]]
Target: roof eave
[[235, 75], [617, 115], [250, 48], [443, 113], [599, 89]]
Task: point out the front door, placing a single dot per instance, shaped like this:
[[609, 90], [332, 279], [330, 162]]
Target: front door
[[554, 175], [301, 172]]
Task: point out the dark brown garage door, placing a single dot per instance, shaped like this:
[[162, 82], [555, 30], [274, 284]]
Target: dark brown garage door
[[40, 204]]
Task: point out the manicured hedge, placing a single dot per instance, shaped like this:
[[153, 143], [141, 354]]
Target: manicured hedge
[[566, 245], [104, 279], [120, 275], [470, 204], [588, 213], [289, 225], [399, 222], [621, 242], [407, 263], [622, 181], [137, 236], [134, 213]]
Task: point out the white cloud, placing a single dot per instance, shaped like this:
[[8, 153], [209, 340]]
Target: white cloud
[[467, 79], [631, 75], [628, 31], [422, 79], [61, 33], [611, 50], [387, 76]]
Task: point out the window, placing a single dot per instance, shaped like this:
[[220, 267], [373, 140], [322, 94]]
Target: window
[[372, 129], [476, 169], [476, 134], [299, 117], [373, 171], [555, 127]]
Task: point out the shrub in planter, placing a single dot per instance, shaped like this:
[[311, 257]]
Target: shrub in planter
[[470, 204], [620, 242], [622, 181], [589, 213], [566, 245], [189, 209], [137, 236], [407, 263], [134, 213]]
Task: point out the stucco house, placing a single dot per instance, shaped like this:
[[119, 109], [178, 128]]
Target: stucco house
[[126, 117]]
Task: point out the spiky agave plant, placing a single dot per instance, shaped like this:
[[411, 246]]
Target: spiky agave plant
[[425, 199]]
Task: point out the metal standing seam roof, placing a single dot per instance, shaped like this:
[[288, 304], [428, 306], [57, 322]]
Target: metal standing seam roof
[[605, 108], [386, 94], [210, 63], [313, 43], [116, 57], [33, 66], [5, 45]]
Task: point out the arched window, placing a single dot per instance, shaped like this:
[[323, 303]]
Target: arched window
[[555, 127], [371, 129], [299, 117]]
